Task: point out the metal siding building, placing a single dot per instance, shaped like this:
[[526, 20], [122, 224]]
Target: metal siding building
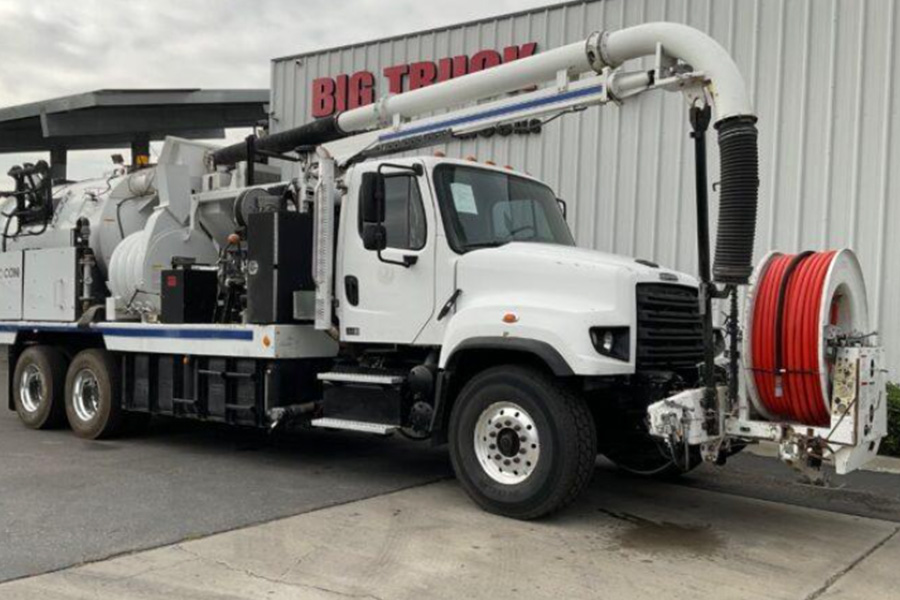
[[822, 75]]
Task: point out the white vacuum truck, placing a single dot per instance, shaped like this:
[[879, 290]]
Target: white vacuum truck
[[444, 299]]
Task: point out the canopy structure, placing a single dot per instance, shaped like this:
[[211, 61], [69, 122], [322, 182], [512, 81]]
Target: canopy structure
[[126, 118]]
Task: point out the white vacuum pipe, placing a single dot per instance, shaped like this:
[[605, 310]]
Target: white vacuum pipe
[[497, 80], [727, 88]]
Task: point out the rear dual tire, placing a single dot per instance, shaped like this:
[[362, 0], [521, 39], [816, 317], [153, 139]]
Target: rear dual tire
[[93, 404], [38, 387], [521, 444]]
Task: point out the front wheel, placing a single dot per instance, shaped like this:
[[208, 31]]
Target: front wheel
[[522, 445]]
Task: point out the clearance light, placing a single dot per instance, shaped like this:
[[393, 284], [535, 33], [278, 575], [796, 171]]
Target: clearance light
[[439, 154], [471, 159], [510, 318], [490, 163]]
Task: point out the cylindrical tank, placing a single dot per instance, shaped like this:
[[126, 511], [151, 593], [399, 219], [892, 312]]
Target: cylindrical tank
[[115, 207], [139, 222]]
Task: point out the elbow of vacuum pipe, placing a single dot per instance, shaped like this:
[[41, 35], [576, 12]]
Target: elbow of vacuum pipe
[[726, 85], [734, 120]]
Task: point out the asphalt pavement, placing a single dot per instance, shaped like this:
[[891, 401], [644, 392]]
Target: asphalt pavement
[[65, 502]]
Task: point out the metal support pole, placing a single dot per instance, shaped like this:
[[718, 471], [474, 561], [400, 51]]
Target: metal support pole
[[251, 160], [700, 118], [733, 347], [58, 158]]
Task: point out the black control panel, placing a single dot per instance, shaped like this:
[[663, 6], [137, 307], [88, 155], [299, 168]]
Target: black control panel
[[188, 295], [279, 262]]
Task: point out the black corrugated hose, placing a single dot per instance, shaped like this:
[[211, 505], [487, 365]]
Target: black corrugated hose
[[314, 133], [738, 198]]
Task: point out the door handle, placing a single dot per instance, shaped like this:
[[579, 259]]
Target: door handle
[[407, 260], [351, 289]]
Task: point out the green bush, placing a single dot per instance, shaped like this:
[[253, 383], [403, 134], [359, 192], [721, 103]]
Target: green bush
[[890, 446]]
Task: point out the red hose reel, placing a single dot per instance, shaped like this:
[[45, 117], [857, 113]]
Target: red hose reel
[[794, 303]]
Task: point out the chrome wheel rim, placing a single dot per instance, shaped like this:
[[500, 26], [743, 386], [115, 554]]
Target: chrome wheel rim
[[86, 395], [31, 389], [507, 443]]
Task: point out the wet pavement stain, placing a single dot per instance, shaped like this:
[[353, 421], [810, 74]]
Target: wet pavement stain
[[657, 537]]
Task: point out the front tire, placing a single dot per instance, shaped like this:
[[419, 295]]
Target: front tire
[[93, 405], [521, 444], [38, 384]]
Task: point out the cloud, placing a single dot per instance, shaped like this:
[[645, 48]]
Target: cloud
[[59, 47]]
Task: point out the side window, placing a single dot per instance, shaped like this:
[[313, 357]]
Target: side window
[[404, 214]]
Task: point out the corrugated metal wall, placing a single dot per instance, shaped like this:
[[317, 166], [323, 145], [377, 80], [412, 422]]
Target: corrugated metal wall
[[823, 76]]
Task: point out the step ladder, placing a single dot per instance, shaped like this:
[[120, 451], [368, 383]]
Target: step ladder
[[364, 377], [360, 426]]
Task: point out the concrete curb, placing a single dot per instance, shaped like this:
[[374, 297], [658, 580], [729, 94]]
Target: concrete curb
[[880, 464]]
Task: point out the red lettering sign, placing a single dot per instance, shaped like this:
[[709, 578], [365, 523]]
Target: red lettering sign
[[484, 60], [346, 92], [395, 78], [323, 97]]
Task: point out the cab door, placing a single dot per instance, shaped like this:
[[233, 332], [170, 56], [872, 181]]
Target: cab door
[[388, 297]]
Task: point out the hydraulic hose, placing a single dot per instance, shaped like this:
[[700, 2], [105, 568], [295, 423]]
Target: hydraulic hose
[[786, 336]]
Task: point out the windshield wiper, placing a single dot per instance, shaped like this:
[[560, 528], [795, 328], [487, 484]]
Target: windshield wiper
[[493, 244]]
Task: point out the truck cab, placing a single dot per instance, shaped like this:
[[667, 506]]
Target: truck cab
[[471, 272], [472, 256]]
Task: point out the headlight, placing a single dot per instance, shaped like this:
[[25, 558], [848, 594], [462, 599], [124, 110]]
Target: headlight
[[614, 342]]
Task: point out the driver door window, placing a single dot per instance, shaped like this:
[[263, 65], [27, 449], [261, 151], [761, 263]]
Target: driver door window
[[404, 217]]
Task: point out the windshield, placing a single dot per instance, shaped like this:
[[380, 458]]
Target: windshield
[[484, 208]]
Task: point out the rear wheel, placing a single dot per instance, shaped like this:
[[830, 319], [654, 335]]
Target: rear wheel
[[93, 406], [522, 445], [38, 383]]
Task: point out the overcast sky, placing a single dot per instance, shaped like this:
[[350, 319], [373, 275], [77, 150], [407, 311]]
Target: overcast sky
[[53, 48]]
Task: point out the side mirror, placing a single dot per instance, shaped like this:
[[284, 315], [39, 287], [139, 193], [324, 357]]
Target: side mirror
[[374, 236], [563, 207], [371, 198]]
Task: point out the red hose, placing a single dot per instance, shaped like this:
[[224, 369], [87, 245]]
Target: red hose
[[801, 399]]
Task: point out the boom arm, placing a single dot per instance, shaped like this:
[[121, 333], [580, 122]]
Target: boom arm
[[599, 52]]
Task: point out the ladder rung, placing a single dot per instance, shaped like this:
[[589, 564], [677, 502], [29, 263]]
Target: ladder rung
[[369, 378], [348, 425]]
